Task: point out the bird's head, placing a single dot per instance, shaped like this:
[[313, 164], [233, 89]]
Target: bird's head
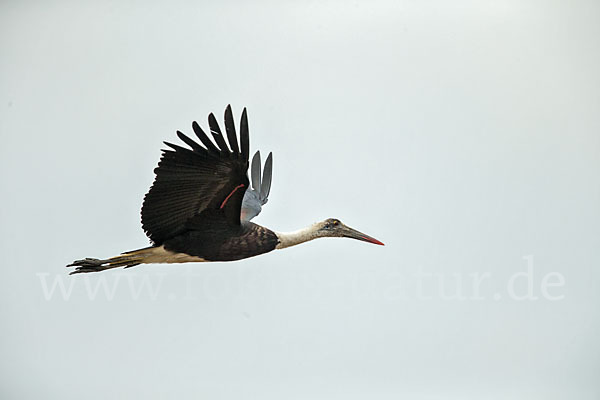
[[333, 227]]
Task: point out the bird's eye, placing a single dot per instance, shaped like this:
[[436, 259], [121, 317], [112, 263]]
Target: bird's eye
[[331, 223]]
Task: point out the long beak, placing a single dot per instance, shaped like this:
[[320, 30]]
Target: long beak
[[354, 234]]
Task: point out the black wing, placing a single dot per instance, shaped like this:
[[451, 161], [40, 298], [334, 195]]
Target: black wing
[[207, 177]]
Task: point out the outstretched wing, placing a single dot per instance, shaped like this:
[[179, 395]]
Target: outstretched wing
[[258, 196], [208, 176]]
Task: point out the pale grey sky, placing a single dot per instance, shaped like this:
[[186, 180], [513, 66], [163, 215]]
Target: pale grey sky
[[464, 135]]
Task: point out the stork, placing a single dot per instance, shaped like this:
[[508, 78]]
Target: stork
[[200, 205]]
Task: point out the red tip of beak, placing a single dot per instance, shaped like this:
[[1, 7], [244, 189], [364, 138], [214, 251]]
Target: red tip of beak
[[372, 240]]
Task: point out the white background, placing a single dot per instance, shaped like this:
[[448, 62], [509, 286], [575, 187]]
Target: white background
[[464, 135]]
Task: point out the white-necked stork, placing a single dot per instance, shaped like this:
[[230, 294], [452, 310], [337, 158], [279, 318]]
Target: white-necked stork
[[200, 205]]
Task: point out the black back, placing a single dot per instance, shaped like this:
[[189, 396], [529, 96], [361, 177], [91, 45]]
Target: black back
[[213, 241]]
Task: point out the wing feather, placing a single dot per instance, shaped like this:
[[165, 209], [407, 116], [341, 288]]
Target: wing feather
[[230, 129], [192, 182], [195, 146], [216, 132], [265, 188], [178, 148], [255, 169], [257, 197], [210, 146], [245, 135]]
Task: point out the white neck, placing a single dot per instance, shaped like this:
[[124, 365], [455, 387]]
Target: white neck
[[287, 239]]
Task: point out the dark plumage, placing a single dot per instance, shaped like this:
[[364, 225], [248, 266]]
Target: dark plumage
[[194, 205], [207, 237], [190, 182], [200, 204]]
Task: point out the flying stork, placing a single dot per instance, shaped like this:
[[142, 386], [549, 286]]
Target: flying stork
[[200, 205]]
